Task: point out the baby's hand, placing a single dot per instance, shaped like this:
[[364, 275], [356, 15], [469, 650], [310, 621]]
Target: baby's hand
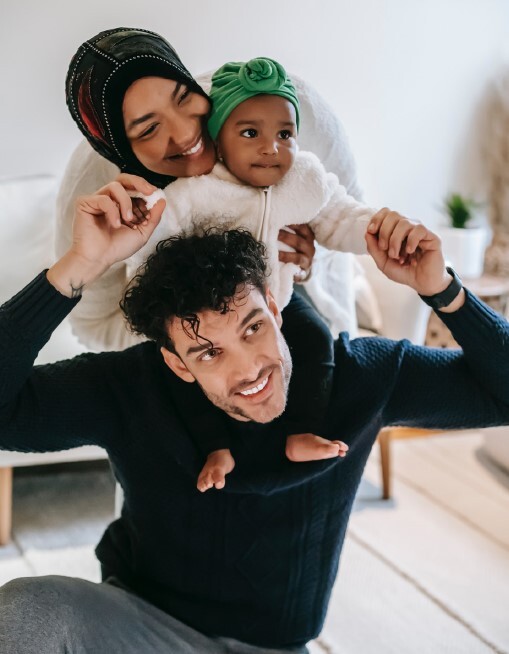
[[397, 236]]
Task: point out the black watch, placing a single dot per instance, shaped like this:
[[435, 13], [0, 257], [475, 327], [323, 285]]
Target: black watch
[[443, 299]]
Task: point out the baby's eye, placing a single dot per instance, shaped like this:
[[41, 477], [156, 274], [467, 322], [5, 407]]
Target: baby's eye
[[209, 355], [250, 133], [285, 134]]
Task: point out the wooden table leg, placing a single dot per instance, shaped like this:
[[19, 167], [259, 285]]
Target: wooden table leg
[[5, 505], [384, 439]]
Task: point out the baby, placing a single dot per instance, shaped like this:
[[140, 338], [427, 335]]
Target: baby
[[262, 183]]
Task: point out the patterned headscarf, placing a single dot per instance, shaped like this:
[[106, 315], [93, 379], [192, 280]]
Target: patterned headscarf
[[100, 73], [236, 82]]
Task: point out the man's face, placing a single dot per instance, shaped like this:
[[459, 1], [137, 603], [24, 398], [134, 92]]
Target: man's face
[[258, 140], [246, 367]]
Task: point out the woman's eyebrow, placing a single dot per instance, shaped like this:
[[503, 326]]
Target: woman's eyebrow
[[138, 121], [142, 119]]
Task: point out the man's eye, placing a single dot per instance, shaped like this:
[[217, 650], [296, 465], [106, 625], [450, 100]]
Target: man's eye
[[252, 329], [249, 133], [285, 134], [148, 131], [210, 354]]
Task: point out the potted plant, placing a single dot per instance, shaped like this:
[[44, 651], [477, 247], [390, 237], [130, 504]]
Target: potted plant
[[463, 243]]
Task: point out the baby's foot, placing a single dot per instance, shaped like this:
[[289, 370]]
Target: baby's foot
[[310, 447], [217, 466]]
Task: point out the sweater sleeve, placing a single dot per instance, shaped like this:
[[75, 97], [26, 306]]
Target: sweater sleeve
[[455, 389], [97, 321], [41, 407]]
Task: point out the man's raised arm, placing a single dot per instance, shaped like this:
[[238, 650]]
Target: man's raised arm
[[104, 232], [442, 388]]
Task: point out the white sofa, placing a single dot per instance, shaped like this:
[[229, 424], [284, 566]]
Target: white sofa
[[27, 227]]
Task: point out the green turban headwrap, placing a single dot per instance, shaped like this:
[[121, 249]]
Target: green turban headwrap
[[236, 82]]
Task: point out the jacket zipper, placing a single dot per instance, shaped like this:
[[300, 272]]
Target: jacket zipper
[[263, 226]]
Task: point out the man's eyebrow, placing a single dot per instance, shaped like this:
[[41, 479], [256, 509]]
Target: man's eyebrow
[[249, 317], [145, 117], [198, 348]]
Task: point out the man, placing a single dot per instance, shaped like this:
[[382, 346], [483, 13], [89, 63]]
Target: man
[[248, 568]]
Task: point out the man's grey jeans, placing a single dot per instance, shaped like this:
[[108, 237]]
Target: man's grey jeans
[[63, 615]]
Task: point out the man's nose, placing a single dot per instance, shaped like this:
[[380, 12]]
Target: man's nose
[[248, 372]]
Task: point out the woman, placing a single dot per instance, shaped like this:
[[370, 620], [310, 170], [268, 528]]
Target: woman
[[174, 145]]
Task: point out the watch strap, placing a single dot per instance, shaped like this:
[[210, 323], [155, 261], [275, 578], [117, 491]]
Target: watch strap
[[443, 299]]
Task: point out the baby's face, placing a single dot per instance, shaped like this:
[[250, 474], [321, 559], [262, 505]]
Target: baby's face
[[258, 140]]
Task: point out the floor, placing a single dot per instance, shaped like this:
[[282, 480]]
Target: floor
[[424, 573]]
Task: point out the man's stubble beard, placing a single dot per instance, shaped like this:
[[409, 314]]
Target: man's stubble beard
[[233, 410]]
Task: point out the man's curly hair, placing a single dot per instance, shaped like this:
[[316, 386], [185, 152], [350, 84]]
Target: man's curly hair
[[191, 273]]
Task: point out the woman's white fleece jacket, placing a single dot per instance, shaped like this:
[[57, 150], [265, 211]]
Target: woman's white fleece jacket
[[306, 194]]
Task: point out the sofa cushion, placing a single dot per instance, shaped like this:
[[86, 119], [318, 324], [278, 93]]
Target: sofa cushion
[[27, 222]]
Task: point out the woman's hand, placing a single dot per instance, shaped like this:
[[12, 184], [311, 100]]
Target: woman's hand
[[303, 242]]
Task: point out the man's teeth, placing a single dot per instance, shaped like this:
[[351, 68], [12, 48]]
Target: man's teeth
[[193, 149], [256, 389]]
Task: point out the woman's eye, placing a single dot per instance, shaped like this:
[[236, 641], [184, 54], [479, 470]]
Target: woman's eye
[[184, 95], [285, 134], [148, 131], [210, 354], [249, 133]]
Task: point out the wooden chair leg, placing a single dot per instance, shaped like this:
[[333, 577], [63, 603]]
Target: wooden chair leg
[[384, 439], [5, 505]]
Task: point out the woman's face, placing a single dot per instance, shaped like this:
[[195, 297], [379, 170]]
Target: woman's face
[[166, 127]]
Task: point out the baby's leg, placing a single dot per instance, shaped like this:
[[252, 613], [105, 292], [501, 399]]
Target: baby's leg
[[209, 429], [310, 447], [311, 346], [219, 463]]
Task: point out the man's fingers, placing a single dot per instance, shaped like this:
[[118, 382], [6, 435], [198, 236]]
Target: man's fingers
[[136, 183], [377, 220], [118, 194], [399, 233], [421, 237], [100, 205], [377, 253]]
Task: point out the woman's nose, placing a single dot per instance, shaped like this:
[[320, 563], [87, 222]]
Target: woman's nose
[[182, 132]]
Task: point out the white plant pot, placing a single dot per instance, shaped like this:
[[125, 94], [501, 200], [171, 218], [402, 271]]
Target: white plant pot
[[464, 249]]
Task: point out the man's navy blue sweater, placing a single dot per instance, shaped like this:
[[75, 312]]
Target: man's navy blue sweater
[[257, 560]]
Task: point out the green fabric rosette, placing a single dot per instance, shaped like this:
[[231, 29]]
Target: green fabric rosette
[[237, 81]]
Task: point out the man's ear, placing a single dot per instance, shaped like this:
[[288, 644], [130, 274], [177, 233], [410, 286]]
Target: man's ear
[[273, 308], [176, 364]]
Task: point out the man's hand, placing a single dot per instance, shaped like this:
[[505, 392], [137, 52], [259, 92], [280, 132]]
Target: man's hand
[[407, 252], [103, 234]]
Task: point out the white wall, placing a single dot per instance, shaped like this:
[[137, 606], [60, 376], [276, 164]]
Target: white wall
[[407, 77]]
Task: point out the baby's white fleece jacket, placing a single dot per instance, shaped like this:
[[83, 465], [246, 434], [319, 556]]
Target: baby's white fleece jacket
[[306, 194]]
